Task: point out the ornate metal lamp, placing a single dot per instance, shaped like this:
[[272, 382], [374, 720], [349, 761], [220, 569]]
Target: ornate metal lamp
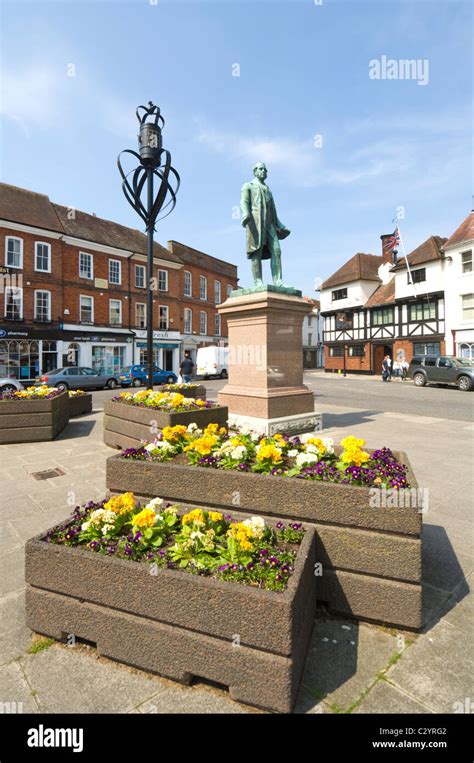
[[155, 162]]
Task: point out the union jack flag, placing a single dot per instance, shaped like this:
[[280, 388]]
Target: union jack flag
[[393, 242]]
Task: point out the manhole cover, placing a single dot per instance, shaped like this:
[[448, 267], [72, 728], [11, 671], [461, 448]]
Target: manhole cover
[[48, 474]]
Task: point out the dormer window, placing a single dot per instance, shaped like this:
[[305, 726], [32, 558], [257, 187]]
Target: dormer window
[[339, 294], [416, 276]]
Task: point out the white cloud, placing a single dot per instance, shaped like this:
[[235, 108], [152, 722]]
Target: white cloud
[[32, 97]]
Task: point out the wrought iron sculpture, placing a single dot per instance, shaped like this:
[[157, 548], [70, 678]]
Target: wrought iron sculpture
[[155, 161]]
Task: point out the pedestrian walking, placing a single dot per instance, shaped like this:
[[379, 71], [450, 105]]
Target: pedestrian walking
[[186, 368], [397, 369], [404, 364], [386, 369]]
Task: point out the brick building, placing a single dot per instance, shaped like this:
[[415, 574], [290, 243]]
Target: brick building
[[371, 308], [73, 291]]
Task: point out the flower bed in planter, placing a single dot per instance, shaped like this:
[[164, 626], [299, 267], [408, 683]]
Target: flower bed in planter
[[33, 415], [122, 594], [188, 389], [133, 418], [79, 402], [368, 542]]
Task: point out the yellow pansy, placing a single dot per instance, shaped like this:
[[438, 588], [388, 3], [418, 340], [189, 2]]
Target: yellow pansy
[[121, 504]]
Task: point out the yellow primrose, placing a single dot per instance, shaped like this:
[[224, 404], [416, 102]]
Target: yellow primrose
[[269, 452], [195, 516], [216, 516], [352, 442], [121, 504], [145, 518]]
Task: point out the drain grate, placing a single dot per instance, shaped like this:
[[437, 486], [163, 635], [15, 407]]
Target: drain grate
[[48, 474]]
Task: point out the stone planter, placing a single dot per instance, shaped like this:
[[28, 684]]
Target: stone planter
[[33, 420], [199, 392], [80, 405], [127, 426], [371, 557], [177, 624]]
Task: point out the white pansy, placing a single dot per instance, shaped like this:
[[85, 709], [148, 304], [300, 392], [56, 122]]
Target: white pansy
[[196, 534], [255, 437], [305, 437], [154, 503], [192, 427], [328, 443], [311, 448], [171, 510], [238, 453], [107, 528], [85, 525], [256, 524], [293, 453], [151, 447], [304, 459]]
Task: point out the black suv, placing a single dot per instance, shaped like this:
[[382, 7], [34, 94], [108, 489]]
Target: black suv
[[430, 369]]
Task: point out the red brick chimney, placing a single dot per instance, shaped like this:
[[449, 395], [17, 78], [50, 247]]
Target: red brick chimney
[[387, 255]]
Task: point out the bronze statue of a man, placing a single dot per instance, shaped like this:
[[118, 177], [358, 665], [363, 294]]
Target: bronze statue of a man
[[264, 229]]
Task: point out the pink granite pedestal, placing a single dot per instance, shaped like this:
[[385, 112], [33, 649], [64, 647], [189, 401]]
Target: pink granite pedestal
[[265, 389]]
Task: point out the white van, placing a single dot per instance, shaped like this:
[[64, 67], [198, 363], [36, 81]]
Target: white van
[[212, 361]]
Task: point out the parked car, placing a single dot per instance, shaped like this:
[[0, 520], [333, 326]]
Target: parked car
[[10, 385], [212, 361], [77, 377], [136, 375], [446, 369]]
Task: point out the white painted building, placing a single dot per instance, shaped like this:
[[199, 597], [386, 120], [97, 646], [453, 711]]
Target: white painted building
[[459, 290], [313, 324]]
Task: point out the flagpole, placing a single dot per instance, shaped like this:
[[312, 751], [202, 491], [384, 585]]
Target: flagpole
[[406, 260]]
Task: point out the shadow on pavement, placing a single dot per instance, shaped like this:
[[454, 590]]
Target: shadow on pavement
[[77, 428], [443, 579], [351, 419]]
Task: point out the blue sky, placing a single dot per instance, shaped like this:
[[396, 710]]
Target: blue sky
[[304, 72]]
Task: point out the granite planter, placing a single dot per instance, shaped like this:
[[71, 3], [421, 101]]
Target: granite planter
[[177, 624], [199, 392], [33, 420], [79, 405], [128, 426], [371, 557]]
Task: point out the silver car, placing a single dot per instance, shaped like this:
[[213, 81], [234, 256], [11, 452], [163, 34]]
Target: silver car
[[10, 385], [76, 377]]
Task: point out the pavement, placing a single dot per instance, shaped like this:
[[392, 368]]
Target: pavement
[[351, 667]]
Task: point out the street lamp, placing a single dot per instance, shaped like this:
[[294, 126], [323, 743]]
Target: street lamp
[[155, 161]]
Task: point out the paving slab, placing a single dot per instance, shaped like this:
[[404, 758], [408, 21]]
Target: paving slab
[[438, 670], [69, 680], [15, 690], [388, 699], [189, 699], [344, 659]]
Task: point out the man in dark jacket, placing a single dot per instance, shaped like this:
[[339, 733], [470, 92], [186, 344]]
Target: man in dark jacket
[[186, 368]]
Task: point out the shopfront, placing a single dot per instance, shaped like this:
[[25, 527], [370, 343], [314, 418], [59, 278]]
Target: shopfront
[[105, 353], [26, 352], [166, 349]]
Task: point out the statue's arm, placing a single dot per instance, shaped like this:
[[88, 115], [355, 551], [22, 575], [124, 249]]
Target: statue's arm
[[245, 204]]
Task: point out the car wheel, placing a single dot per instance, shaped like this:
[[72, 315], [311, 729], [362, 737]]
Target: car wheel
[[111, 384], [8, 388], [223, 374], [419, 380], [62, 386], [170, 380], [464, 383], [136, 383]]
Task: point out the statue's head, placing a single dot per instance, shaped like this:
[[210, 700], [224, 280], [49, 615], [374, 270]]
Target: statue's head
[[260, 171]]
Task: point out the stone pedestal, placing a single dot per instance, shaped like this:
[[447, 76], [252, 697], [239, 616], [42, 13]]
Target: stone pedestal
[[265, 387]]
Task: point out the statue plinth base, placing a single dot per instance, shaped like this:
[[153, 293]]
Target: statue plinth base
[[265, 386]]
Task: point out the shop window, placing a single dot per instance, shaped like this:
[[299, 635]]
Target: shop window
[[49, 355], [19, 360], [336, 352], [357, 351], [427, 348]]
